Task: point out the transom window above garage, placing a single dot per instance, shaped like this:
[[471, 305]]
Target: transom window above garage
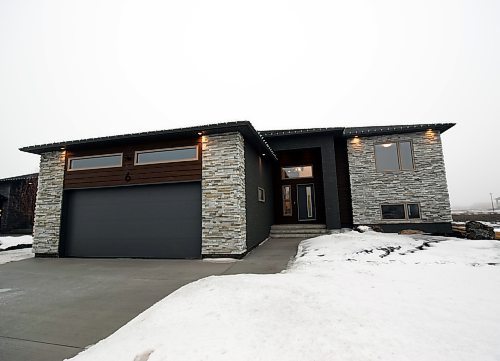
[[95, 161], [166, 155]]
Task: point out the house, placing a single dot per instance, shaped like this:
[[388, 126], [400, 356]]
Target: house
[[215, 190], [17, 204]]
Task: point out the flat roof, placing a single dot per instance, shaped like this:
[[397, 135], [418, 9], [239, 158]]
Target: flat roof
[[288, 132], [395, 129], [20, 177], [360, 131], [244, 127]]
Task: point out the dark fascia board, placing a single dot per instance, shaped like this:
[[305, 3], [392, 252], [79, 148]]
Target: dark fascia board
[[243, 127], [395, 129], [306, 131], [20, 177]]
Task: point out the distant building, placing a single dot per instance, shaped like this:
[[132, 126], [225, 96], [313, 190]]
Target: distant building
[[497, 199], [17, 203]]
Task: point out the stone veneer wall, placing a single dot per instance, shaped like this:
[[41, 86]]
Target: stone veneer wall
[[223, 195], [425, 185], [49, 203]]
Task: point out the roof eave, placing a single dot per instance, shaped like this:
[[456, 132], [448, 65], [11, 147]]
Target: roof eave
[[395, 129], [244, 127]]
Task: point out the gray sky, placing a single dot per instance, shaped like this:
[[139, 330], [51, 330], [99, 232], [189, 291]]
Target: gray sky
[[77, 69]]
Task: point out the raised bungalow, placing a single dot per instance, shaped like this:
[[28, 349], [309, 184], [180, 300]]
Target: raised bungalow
[[216, 190]]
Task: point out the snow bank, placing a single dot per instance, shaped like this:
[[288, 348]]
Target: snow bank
[[7, 242], [347, 296]]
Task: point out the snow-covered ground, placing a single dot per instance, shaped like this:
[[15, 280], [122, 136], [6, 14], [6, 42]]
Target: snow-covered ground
[[7, 242], [347, 296], [7, 254]]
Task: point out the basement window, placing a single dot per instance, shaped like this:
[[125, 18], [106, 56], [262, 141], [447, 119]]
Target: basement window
[[167, 155], [393, 157], [401, 211], [95, 162]]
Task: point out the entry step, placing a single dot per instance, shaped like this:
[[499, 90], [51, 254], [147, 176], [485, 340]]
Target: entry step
[[297, 230], [298, 226]]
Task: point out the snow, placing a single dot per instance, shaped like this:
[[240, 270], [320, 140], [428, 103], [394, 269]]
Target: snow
[[7, 242], [15, 255], [347, 296], [7, 254]]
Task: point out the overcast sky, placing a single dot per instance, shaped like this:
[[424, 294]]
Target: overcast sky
[[77, 69]]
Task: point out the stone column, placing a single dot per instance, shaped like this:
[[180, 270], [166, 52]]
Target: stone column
[[223, 195], [48, 204]]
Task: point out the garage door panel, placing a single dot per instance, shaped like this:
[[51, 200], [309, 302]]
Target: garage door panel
[[154, 221]]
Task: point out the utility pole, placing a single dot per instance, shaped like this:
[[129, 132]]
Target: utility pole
[[492, 206]]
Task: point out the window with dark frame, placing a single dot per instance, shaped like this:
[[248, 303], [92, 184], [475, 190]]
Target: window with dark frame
[[305, 171], [261, 194], [95, 162], [394, 156], [167, 155], [413, 210], [401, 211]]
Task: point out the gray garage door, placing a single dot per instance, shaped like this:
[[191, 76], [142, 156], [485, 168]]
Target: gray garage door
[[153, 221]]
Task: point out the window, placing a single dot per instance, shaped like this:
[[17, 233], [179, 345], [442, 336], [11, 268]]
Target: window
[[413, 210], [297, 172], [95, 162], [393, 211], [287, 200], [166, 155], [390, 157], [261, 194], [401, 211]]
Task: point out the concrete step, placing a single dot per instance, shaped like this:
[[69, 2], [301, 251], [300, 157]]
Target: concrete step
[[294, 235], [297, 230], [298, 226], [305, 231]]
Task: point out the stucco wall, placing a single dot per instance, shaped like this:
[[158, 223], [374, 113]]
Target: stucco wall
[[223, 195], [46, 231], [425, 185]]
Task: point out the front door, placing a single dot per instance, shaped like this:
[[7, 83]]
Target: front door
[[299, 193], [306, 202]]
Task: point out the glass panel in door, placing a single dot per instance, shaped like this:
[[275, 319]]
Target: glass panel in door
[[306, 202], [287, 200]]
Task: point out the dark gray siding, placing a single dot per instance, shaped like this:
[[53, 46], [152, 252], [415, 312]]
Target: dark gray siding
[[150, 221], [4, 204], [258, 173], [327, 144], [17, 201]]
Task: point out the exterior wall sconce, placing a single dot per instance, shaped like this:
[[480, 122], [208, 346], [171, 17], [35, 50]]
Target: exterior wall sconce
[[204, 141], [430, 134], [356, 142]]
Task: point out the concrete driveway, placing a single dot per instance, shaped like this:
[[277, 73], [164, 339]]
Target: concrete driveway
[[50, 309]]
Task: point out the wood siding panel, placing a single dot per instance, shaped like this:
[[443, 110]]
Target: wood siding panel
[[130, 174]]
